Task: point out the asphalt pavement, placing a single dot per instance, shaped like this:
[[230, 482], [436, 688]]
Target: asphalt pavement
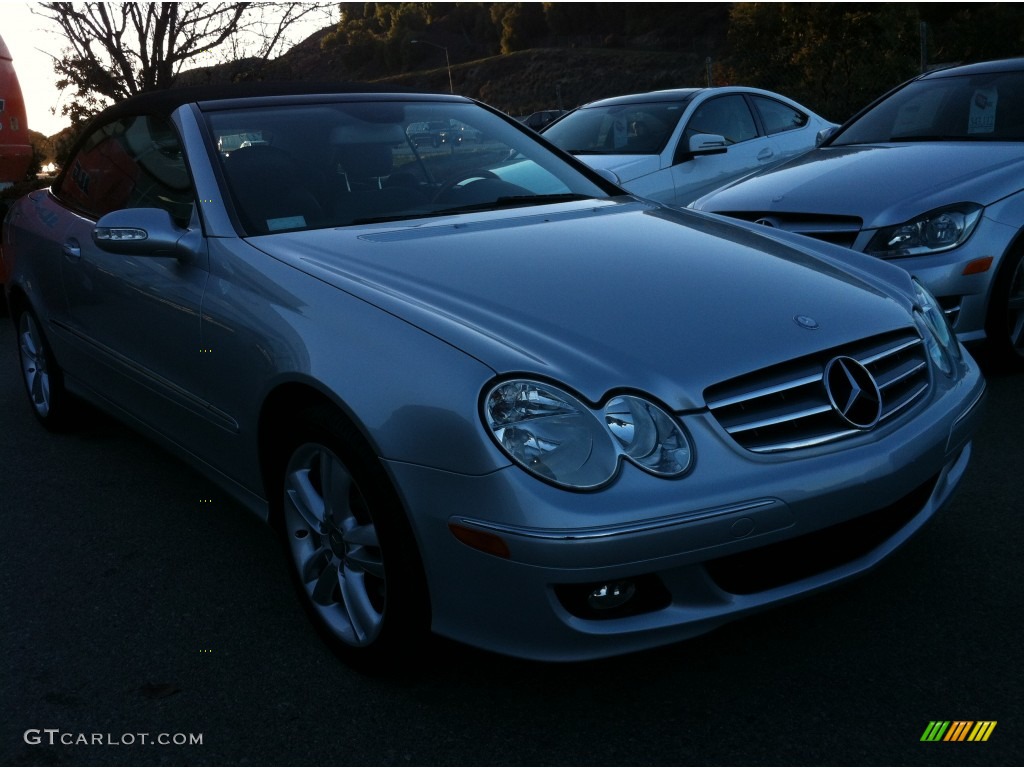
[[138, 606]]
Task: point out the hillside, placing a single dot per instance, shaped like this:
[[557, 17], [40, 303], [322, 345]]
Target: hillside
[[518, 83], [525, 81]]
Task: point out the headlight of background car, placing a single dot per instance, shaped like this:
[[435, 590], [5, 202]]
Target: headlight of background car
[[554, 435], [943, 348], [932, 232]]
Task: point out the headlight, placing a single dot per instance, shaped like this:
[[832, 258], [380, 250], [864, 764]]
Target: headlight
[[943, 348], [934, 232], [648, 435], [554, 435]]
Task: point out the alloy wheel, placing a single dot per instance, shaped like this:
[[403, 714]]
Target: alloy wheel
[[34, 366], [1015, 308], [334, 545]]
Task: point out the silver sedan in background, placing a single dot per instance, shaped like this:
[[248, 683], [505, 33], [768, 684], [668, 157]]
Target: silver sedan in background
[[930, 178], [479, 389], [676, 145]]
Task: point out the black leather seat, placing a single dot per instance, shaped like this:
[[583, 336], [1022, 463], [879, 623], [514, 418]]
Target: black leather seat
[[270, 190]]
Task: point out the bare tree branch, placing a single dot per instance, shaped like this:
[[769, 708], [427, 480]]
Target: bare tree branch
[[115, 50]]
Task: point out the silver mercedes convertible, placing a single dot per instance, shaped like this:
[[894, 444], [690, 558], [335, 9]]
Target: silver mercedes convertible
[[477, 388]]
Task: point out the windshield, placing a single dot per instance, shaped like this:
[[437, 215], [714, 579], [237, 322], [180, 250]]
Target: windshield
[[307, 166], [986, 107], [625, 129]]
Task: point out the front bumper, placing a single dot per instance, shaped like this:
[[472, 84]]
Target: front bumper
[[742, 533]]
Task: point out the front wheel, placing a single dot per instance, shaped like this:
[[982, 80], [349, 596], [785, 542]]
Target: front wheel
[[43, 378], [1006, 311], [355, 562]]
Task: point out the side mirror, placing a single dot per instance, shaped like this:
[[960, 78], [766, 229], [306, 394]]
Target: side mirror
[[700, 144], [824, 134], [707, 144], [609, 175], [142, 232]]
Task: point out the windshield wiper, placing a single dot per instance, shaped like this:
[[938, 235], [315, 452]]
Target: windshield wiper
[[937, 137], [510, 201], [394, 217], [513, 201]]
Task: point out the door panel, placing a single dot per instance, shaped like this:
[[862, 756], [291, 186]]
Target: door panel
[[727, 116], [136, 321], [133, 321]]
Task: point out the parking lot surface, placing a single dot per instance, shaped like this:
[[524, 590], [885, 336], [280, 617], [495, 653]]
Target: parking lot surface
[[138, 605]]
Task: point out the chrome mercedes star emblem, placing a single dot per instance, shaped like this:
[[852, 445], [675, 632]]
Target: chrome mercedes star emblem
[[806, 321], [853, 392]]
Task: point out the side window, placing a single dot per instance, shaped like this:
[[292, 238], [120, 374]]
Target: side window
[[778, 117], [726, 116], [134, 162]]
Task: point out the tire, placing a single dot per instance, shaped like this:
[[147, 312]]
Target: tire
[[43, 378], [354, 559], [1005, 329]]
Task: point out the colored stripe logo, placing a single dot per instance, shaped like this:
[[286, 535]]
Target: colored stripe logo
[[959, 730]]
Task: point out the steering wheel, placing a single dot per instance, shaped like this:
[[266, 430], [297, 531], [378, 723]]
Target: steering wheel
[[454, 181]]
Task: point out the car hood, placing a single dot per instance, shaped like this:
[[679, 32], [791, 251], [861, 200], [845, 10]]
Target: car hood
[[604, 295], [626, 167], [883, 184]]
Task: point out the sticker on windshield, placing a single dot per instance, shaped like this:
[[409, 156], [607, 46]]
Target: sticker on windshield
[[288, 222], [983, 111]]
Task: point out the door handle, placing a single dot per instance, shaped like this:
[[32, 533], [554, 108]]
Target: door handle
[[72, 249], [765, 153]]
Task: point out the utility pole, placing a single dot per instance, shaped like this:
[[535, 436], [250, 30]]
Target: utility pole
[[447, 61]]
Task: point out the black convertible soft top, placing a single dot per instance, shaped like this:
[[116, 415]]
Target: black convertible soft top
[[167, 100]]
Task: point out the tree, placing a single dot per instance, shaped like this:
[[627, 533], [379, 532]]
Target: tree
[[522, 25], [119, 49], [833, 57], [973, 31], [42, 152]]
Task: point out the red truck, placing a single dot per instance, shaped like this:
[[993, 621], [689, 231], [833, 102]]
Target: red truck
[[15, 147]]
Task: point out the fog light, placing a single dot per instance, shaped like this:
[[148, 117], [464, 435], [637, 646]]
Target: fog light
[[610, 596], [610, 600]]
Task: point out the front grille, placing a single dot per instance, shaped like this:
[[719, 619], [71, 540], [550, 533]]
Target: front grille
[[838, 230], [787, 407]]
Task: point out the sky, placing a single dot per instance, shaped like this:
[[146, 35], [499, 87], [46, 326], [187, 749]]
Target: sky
[[30, 38], [27, 36]]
